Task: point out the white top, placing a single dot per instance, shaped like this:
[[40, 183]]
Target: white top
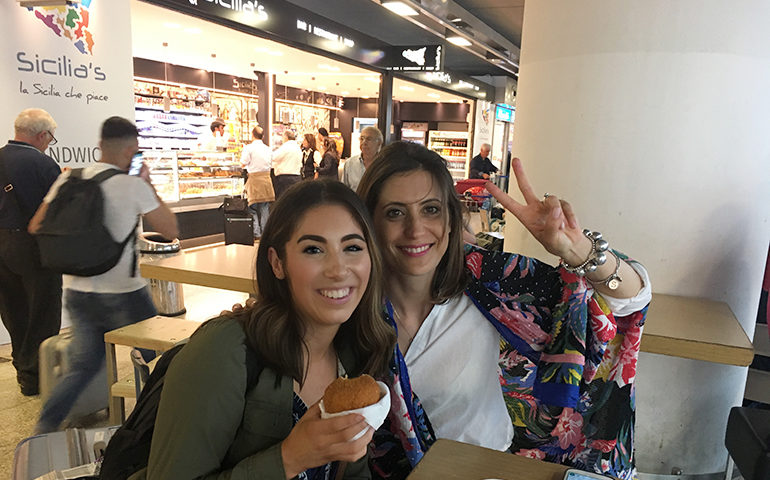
[[353, 171], [287, 159], [125, 198], [453, 368], [452, 363], [209, 141], [256, 157]]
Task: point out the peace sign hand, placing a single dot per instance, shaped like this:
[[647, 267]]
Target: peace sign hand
[[551, 221]]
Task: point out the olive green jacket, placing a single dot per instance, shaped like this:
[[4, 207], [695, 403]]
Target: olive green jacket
[[208, 426]]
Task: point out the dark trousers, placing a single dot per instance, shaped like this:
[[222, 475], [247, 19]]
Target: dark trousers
[[281, 183], [30, 302]]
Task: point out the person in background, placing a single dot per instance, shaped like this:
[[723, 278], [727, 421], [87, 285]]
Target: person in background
[[310, 157], [371, 141], [30, 296], [317, 316], [256, 159], [118, 297], [215, 139], [481, 166], [287, 164], [320, 135], [554, 349], [330, 160]]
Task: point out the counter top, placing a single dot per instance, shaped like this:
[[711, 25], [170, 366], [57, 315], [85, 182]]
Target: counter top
[[450, 460], [229, 267], [695, 328], [678, 326]]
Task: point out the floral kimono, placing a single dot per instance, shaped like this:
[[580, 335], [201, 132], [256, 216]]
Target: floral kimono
[[567, 367]]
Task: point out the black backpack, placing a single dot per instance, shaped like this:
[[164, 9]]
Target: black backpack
[[72, 238], [129, 448]]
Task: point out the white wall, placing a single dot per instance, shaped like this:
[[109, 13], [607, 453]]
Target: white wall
[[652, 118]]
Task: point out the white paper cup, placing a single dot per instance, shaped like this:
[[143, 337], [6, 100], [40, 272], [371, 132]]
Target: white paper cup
[[373, 414]]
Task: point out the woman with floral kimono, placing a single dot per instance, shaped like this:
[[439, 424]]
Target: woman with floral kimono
[[502, 350]]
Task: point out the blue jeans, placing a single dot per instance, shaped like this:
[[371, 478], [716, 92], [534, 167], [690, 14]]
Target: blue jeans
[[259, 211], [92, 315]]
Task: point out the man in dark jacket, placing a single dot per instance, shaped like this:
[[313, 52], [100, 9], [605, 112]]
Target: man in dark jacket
[[481, 166], [30, 296]]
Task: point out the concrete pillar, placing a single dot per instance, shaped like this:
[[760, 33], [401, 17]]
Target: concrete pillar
[[652, 118]]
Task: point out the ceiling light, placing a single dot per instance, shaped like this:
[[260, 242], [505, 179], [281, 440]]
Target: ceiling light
[[330, 68], [344, 92], [365, 97], [459, 41], [400, 8], [434, 95], [275, 53], [373, 79], [322, 88], [407, 88], [172, 26]]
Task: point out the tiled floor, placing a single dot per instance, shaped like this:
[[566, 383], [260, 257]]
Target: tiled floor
[[18, 413]]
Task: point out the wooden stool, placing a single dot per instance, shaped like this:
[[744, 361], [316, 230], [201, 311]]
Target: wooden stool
[[157, 333]]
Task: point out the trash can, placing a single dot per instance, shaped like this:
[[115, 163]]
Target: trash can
[[167, 296]]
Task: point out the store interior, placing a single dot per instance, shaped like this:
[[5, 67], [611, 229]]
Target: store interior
[[181, 86]]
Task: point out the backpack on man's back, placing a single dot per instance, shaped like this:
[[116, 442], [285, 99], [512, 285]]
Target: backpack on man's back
[[72, 237]]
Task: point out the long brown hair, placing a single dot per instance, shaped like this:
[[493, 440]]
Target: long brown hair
[[275, 330], [450, 277]]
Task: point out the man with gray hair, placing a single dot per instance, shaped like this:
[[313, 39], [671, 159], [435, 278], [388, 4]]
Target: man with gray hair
[[480, 166], [371, 141], [30, 296]]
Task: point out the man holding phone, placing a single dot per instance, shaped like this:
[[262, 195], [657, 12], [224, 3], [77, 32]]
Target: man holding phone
[[100, 303]]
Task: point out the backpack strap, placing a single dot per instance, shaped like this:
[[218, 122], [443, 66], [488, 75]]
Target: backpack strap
[[108, 173], [5, 183]]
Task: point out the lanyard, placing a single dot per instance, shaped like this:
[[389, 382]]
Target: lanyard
[[403, 377]]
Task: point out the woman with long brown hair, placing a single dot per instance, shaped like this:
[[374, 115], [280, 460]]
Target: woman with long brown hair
[[317, 316]]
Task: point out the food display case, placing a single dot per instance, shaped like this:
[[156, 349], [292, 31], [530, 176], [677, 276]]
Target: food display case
[[180, 175], [453, 146]]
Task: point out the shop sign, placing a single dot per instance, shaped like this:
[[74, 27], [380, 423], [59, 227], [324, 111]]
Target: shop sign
[[484, 123], [72, 61], [420, 58], [504, 113], [457, 82], [293, 24]]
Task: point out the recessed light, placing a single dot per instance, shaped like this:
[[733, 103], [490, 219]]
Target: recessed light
[[173, 26], [400, 8], [192, 30], [365, 97], [407, 88], [345, 92], [322, 88], [324, 66], [459, 41], [434, 95], [373, 79]]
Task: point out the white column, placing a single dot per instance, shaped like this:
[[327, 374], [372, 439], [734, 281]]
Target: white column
[[653, 119]]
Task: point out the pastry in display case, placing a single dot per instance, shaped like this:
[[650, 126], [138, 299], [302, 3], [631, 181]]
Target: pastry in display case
[[178, 176]]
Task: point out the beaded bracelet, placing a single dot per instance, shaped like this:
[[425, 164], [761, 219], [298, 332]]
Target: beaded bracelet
[[596, 256]]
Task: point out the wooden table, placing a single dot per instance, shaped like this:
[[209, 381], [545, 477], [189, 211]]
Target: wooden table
[[677, 326], [229, 267], [157, 333], [449, 460], [695, 328]]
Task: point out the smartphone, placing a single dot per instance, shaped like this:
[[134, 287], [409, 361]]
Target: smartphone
[[136, 164], [574, 474]]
